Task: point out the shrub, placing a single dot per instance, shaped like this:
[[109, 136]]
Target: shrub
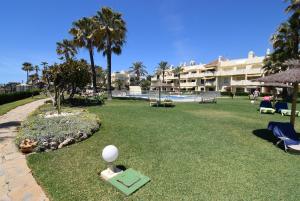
[[52, 131], [87, 101], [11, 97]]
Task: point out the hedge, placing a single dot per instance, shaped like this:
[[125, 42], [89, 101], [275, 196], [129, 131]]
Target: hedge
[[11, 97]]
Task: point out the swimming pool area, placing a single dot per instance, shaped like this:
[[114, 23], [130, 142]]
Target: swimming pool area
[[176, 98]]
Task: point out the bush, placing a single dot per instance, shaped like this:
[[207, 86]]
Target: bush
[[87, 101], [228, 93], [11, 97], [50, 132]]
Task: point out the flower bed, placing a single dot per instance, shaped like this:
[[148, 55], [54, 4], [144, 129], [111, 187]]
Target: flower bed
[[51, 131]]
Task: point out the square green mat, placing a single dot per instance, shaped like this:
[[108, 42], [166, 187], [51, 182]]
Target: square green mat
[[129, 181]]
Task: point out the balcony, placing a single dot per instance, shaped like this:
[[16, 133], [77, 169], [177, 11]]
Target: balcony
[[188, 84], [208, 73], [244, 83], [210, 83], [239, 72]]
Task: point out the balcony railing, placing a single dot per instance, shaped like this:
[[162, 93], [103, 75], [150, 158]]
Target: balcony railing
[[243, 83], [188, 84], [210, 83]]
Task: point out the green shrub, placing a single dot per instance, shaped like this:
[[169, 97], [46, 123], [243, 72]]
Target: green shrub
[[87, 101], [78, 126], [11, 97]]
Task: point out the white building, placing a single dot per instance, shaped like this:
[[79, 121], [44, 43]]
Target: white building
[[220, 75]]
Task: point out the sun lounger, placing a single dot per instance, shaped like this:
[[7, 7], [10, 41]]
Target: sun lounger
[[281, 106], [266, 107], [288, 112], [208, 100], [153, 102], [286, 133], [168, 103], [266, 110]]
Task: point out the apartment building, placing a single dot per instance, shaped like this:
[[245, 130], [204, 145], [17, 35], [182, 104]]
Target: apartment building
[[220, 75], [124, 76]]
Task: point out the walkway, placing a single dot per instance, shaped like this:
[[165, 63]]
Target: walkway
[[16, 180]]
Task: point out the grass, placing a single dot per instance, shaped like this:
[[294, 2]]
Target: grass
[[190, 152], [9, 106]]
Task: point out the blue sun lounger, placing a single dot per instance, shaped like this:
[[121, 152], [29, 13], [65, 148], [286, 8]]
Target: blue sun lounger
[[281, 106], [266, 107], [286, 133]]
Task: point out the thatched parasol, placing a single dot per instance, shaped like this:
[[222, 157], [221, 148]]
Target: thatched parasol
[[292, 75], [159, 85]]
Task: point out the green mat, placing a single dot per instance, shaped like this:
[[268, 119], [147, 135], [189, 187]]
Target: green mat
[[129, 181]]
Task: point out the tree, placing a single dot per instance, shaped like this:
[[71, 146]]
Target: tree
[[285, 41], [162, 67], [76, 74], [139, 70], [28, 68], [69, 75], [177, 71], [37, 69], [84, 31], [112, 33], [44, 64], [66, 49], [145, 84], [101, 77], [119, 84]]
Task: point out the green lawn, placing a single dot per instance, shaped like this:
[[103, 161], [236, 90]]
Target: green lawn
[[190, 152], [9, 106]]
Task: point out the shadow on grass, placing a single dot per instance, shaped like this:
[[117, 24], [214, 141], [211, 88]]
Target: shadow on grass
[[10, 124], [267, 135]]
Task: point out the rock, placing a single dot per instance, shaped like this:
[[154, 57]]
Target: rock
[[53, 145], [66, 142], [81, 136], [27, 145]]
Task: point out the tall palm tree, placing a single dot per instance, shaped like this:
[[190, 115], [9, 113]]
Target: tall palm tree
[[112, 29], [294, 6], [161, 69], [83, 32], [139, 69], [28, 68], [119, 83], [177, 71], [286, 41], [67, 49], [45, 65]]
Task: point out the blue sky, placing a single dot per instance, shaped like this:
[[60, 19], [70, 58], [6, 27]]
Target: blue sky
[[171, 30]]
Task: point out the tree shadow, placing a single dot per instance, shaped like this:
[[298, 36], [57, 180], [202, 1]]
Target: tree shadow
[[267, 135], [10, 124]]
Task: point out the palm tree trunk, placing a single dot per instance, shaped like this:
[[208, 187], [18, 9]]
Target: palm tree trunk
[[93, 69], [27, 76], [294, 103], [109, 95]]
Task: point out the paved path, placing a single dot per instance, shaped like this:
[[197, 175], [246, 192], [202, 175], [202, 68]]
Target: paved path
[[16, 180]]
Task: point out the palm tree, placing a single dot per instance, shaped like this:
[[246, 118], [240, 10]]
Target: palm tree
[[28, 68], [67, 49], [162, 67], [177, 71], [285, 44], [139, 70], [119, 83], [112, 31], [84, 31], [294, 6], [45, 65]]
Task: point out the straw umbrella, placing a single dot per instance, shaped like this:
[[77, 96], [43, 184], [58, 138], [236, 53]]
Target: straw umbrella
[[292, 75], [159, 85], [274, 85]]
